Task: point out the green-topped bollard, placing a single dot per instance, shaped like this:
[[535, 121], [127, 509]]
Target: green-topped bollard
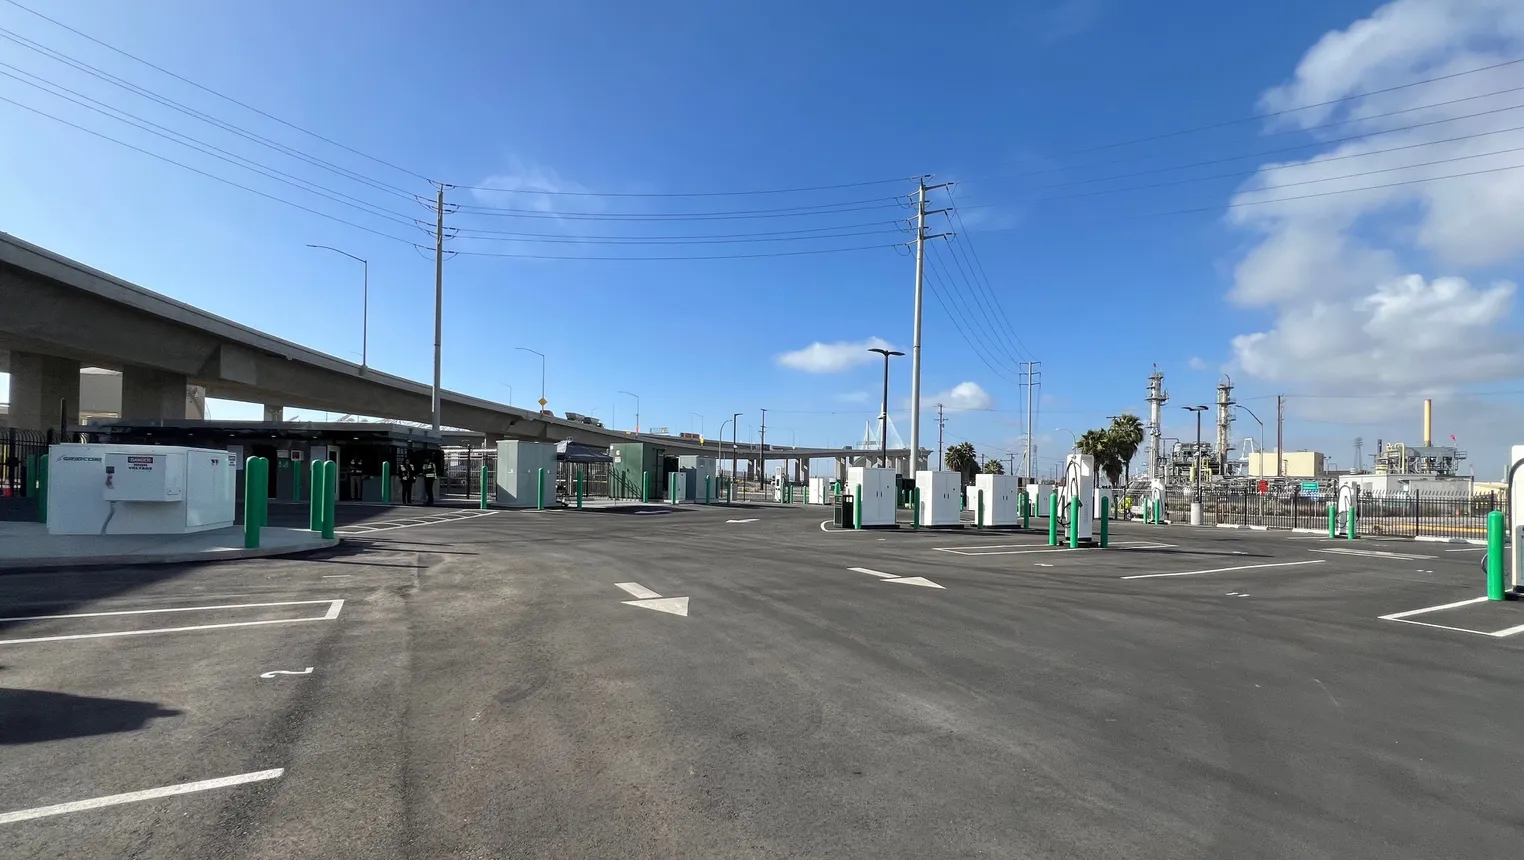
[[315, 503], [386, 482], [1053, 520], [579, 491], [330, 497], [857, 508], [1105, 521], [645, 486], [539, 490], [1026, 510], [264, 497], [915, 507], [1333, 520], [1158, 512], [979, 517], [250, 504], [484, 487], [1074, 515], [1495, 533], [1351, 517]]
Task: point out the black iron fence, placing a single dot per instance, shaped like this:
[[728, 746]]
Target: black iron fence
[[1411, 514], [21, 452]]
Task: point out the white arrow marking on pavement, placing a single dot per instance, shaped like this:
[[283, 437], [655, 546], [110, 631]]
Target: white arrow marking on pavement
[[636, 589], [741, 521], [306, 671], [915, 580], [673, 605], [871, 572]]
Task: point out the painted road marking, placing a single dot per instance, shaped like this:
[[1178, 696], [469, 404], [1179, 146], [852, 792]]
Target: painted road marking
[[1398, 616], [871, 572], [1371, 553], [1223, 569], [649, 599], [1406, 618], [742, 521], [135, 796], [334, 607], [1029, 548], [915, 580], [411, 522], [273, 673], [1468, 549]]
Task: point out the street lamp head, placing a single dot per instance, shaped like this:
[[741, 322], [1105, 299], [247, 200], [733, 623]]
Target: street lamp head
[[885, 352], [1195, 408]]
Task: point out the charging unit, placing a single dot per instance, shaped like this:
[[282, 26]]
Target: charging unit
[[1002, 499], [139, 490], [820, 491], [518, 473], [1039, 495], [1079, 483], [1515, 489], [877, 499], [941, 498]]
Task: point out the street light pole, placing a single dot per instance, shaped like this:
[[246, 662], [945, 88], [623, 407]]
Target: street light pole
[[734, 425], [510, 392], [542, 372], [883, 415], [1261, 438], [1196, 461], [364, 302], [701, 421], [637, 408]]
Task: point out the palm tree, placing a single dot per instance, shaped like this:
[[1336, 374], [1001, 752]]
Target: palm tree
[[994, 467], [1100, 445], [1126, 434], [961, 458]]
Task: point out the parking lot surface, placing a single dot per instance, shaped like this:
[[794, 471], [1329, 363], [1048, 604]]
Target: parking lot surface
[[729, 682]]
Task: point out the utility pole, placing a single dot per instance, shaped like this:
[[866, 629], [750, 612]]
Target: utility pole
[[941, 422], [1280, 431], [762, 452], [915, 345], [438, 294], [1030, 369], [1013, 464]]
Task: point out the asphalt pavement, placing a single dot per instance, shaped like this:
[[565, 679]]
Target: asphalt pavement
[[745, 682]]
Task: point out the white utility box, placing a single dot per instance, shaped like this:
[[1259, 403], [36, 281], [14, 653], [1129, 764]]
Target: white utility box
[[820, 491], [139, 490], [941, 498], [1516, 518], [874, 493], [1079, 483], [1039, 494], [518, 473], [1002, 499]]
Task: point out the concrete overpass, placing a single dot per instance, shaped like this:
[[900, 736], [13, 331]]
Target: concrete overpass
[[61, 315]]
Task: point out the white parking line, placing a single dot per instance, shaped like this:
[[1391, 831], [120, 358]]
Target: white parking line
[[1372, 553], [135, 796], [411, 522], [1398, 616], [1223, 569], [334, 607], [871, 572], [1405, 618]]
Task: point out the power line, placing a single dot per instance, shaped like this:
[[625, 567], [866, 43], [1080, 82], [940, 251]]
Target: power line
[[658, 217], [823, 209], [989, 328], [655, 258], [209, 149], [470, 232], [204, 173], [963, 237], [222, 96], [582, 240], [960, 323], [687, 193]]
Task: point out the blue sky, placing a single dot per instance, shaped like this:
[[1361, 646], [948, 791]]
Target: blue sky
[[1020, 104]]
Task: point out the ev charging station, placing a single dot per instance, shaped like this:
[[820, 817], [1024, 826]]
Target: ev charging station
[[139, 490], [1079, 483], [1515, 491], [820, 491], [1001, 495], [876, 494], [1038, 494], [1348, 498], [941, 498]]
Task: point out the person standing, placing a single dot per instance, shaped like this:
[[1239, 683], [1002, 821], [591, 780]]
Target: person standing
[[405, 476], [356, 480], [429, 474]]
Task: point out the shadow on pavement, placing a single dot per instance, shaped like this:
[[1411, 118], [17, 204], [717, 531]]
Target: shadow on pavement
[[37, 716]]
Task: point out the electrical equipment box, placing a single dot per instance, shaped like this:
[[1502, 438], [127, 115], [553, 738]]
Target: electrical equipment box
[[875, 494], [145, 477], [820, 491], [1002, 499], [518, 473], [139, 490], [696, 469], [1079, 483], [1040, 495], [1516, 517], [941, 498]]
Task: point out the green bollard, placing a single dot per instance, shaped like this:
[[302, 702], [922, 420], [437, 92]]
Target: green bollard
[[1053, 520], [579, 491], [1105, 521], [539, 490], [1351, 531], [1026, 509], [645, 486], [1158, 512], [1495, 530], [484, 488], [857, 508], [1074, 515], [330, 497], [915, 507], [386, 483], [1333, 520], [315, 502], [979, 520], [250, 504], [264, 495]]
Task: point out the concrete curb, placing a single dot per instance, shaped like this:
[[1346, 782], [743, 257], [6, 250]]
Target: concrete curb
[[141, 559]]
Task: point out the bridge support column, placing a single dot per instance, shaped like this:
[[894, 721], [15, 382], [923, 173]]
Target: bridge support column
[[152, 395], [275, 413], [841, 469], [40, 384], [803, 475]]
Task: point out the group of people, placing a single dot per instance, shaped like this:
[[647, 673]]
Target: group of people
[[408, 473]]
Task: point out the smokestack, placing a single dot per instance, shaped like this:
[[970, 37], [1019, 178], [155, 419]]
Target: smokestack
[[1428, 422]]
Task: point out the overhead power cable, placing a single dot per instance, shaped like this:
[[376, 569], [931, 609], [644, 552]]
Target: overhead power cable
[[677, 257], [666, 194], [222, 96], [960, 321], [819, 208], [583, 240], [657, 217], [470, 232], [963, 234], [978, 311]]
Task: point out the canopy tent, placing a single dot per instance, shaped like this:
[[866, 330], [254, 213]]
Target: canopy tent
[[568, 451]]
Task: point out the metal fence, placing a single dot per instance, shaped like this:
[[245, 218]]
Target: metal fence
[[1378, 515], [20, 452]]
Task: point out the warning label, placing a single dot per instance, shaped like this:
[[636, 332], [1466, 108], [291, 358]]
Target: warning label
[[140, 461]]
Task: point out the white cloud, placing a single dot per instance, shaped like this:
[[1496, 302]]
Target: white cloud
[[1195, 363], [1373, 290], [963, 397], [834, 357]]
